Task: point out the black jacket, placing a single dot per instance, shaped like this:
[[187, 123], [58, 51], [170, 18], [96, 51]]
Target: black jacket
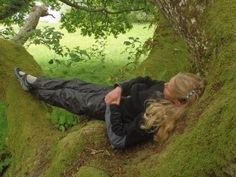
[[125, 119]]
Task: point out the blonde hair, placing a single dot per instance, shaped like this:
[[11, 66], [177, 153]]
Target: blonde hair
[[162, 114]]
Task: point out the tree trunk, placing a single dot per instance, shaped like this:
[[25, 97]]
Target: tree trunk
[[30, 24], [34, 143], [208, 145], [186, 17], [28, 139]]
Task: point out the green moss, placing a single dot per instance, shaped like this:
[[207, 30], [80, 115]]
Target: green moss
[[86, 171], [70, 147], [66, 149], [169, 56], [29, 133], [3, 124]]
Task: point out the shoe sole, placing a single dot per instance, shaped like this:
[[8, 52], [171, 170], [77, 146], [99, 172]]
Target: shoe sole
[[21, 79]]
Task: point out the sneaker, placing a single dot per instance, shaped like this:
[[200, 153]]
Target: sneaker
[[22, 79]]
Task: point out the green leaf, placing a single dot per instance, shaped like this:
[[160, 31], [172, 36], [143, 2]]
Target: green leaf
[[127, 42], [51, 61]]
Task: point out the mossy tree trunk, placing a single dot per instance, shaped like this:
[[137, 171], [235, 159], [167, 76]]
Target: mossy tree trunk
[[37, 148], [186, 17], [29, 131], [208, 146]]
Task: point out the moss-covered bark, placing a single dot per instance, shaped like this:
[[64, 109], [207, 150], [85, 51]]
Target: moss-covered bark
[[28, 137], [169, 56], [37, 148]]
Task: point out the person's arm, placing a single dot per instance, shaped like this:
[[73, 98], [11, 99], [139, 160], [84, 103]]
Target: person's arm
[[125, 88], [123, 135], [127, 85], [114, 96]]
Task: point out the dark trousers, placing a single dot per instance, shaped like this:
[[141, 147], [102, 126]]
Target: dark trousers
[[74, 95]]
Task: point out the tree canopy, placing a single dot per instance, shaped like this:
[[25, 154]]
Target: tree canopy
[[99, 17]]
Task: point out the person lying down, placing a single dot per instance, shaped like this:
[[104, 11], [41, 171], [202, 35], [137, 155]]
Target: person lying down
[[135, 110]]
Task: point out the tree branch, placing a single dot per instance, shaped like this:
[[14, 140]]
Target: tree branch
[[98, 9], [30, 24], [51, 15]]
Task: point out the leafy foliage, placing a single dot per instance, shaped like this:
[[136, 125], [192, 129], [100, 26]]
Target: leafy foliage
[[135, 49], [97, 50], [113, 19], [63, 119], [76, 54], [48, 37], [14, 11], [98, 18], [54, 4], [99, 24], [8, 32]]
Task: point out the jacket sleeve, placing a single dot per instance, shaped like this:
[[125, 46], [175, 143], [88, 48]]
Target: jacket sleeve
[[123, 135], [127, 85]]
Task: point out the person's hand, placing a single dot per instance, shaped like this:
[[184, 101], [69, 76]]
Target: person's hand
[[114, 96]]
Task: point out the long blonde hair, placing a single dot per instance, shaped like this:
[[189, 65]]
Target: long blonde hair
[[162, 114]]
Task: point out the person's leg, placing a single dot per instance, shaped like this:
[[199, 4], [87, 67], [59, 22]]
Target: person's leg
[[58, 83], [31, 82], [65, 98], [86, 98], [90, 104]]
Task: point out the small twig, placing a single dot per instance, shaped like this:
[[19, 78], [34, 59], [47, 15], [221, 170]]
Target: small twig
[[51, 15], [94, 151]]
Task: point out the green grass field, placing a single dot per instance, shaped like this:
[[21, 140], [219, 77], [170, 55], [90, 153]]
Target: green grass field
[[93, 70]]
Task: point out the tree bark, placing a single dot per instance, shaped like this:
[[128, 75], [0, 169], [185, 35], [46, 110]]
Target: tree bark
[[189, 27], [30, 24]]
